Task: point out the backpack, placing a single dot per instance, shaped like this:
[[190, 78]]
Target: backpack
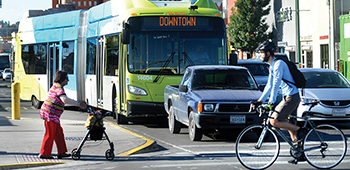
[[298, 77]]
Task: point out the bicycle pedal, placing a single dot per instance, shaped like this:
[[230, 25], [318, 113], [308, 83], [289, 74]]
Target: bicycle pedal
[[294, 161]]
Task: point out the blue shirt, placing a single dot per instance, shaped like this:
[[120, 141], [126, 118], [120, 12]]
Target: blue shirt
[[278, 70]]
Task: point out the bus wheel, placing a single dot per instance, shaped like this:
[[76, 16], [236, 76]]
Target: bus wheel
[[114, 105], [121, 119], [36, 103]]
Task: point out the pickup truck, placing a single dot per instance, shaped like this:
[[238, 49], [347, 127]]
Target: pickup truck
[[211, 98]]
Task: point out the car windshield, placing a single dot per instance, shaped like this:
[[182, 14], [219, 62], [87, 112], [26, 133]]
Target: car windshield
[[257, 69], [222, 79], [325, 80]]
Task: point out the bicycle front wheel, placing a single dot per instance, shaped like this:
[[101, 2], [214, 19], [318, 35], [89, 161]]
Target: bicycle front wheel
[[328, 154], [253, 156]]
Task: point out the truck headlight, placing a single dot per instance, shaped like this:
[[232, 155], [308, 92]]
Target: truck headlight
[[137, 90], [208, 107]]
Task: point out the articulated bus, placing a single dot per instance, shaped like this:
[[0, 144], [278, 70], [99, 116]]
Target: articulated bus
[[119, 55]]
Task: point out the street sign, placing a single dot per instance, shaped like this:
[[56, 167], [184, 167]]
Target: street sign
[[284, 14]]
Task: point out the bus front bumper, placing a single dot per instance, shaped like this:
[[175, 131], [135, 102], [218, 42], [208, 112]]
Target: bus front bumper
[[145, 109]]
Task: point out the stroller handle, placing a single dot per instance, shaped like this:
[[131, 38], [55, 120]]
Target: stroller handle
[[90, 109]]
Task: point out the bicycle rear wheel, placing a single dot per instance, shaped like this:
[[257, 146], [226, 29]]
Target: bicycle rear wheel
[[328, 155], [252, 157]]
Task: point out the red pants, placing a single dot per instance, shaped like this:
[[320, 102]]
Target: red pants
[[53, 132]]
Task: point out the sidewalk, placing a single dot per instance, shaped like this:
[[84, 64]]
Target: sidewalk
[[21, 140]]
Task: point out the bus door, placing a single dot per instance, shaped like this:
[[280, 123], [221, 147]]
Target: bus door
[[53, 63], [100, 70]]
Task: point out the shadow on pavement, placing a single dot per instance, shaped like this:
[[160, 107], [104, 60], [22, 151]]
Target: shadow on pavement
[[5, 122]]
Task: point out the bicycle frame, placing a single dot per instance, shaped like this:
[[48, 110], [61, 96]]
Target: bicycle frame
[[266, 125]]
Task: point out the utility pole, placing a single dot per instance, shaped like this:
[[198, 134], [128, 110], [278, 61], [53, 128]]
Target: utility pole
[[297, 47]]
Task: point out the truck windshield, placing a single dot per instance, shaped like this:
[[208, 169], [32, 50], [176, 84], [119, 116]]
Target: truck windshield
[[222, 79]]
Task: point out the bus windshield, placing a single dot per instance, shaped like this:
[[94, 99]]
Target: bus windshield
[[149, 53], [4, 62], [171, 52]]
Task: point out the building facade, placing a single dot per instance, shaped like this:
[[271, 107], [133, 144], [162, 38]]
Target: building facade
[[80, 4]]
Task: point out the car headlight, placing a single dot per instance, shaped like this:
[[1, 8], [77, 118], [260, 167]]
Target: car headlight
[[137, 90], [208, 107], [308, 100]]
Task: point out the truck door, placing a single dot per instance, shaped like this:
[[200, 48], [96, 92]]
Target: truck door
[[183, 100]]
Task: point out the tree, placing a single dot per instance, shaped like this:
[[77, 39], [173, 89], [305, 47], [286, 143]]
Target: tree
[[247, 27]]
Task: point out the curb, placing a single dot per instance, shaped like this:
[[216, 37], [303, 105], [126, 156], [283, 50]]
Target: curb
[[28, 165], [148, 146]]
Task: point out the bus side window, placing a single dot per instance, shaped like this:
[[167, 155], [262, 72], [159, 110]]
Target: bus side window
[[91, 56], [112, 56], [68, 57]]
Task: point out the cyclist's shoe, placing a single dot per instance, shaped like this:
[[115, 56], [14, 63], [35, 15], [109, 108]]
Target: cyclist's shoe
[[301, 133]]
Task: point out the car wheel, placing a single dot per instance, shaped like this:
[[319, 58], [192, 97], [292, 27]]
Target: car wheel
[[174, 125], [194, 132]]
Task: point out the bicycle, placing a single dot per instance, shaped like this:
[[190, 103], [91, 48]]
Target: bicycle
[[323, 147]]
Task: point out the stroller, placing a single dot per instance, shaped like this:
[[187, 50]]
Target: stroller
[[95, 132]]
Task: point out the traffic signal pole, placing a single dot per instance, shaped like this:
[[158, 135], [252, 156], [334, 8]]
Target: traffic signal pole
[[297, 47]]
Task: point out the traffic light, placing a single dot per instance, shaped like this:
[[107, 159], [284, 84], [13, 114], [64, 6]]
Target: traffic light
[[0, 3]]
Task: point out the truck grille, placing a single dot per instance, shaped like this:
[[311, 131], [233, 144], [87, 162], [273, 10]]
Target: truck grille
[[234, 107], [335, 102]]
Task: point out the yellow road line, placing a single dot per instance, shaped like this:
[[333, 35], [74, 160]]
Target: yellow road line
[[148, 142], [28, 165]]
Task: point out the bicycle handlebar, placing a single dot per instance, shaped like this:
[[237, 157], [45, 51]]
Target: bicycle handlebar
[[259, 107]]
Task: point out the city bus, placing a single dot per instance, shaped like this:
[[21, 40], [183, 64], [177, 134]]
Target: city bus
[[119, 55]]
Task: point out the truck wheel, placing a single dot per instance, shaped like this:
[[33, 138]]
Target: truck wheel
[[174, 125], [194, 132]]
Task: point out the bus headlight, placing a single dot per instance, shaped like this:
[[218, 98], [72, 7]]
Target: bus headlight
[[208, 107], [137, 90]]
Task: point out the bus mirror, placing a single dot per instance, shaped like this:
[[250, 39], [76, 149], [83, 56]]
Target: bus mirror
[[233, 59], [126, 36]]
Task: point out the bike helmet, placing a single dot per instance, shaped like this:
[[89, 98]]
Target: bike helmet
[[266, 46]]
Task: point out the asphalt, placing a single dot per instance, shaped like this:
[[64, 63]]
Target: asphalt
[[20, 140]]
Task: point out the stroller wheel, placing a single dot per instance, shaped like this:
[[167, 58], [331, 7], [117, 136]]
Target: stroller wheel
[[109, 154], [75, 154]]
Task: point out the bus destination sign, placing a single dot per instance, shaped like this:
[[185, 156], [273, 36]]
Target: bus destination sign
[[177, 21]]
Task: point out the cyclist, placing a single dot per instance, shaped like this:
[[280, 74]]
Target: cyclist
[[279, 69]]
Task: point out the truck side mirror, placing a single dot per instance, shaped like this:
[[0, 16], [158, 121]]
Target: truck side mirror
[[233, 59], [183, 88], [261, 87]]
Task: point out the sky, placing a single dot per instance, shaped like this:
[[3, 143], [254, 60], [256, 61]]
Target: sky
[[13, 10]]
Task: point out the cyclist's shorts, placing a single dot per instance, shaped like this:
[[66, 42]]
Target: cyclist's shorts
[[286, 107]]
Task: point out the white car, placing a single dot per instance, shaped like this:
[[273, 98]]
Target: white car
[[6, 74], [331, 89]]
